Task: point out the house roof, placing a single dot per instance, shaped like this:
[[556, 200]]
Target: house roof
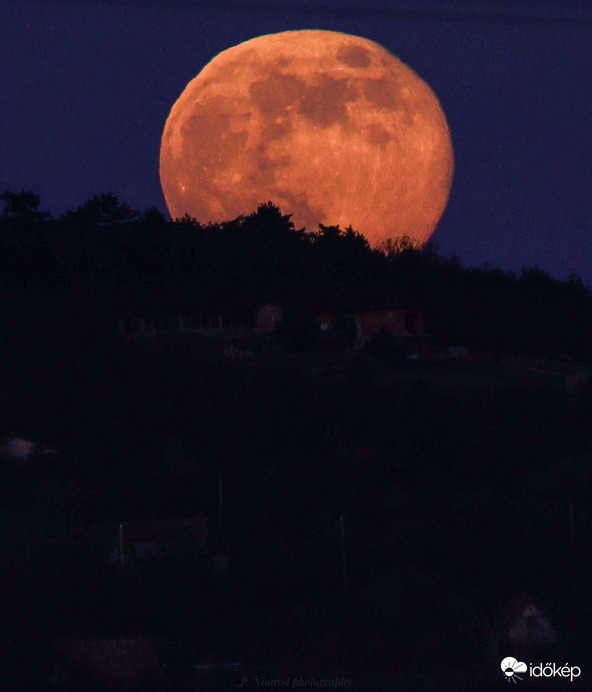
[[15, 439], [162, 530], [523, 622], [123, 659], [16, 449]]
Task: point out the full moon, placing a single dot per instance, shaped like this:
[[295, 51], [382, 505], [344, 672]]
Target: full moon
[[331, 128]]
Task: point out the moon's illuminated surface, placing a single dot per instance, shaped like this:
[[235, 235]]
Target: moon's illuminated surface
[[330, 127]]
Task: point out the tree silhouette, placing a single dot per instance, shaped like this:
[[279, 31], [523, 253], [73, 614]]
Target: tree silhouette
[[398, 245], [143, 264], [103, 209], [22, 206], [23, 237]]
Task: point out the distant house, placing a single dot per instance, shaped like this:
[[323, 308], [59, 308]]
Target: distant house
[[405, 325], [119, 663], [577, 381], [142, 325], [457, 352], [399, 322], [17, 451], [236, 353], [325, 320], [187, 329], [525, 626], [135, 543], [268, 317]]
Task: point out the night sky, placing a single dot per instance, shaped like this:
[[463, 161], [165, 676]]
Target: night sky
[[86, 88]]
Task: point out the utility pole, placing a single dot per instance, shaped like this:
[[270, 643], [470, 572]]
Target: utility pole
[[343, 560], [573, 561], [220, 497], [121, 548], [572, 526]]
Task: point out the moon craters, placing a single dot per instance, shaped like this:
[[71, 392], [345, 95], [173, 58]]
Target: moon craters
[[354, 56], [332, 128], [276, 93], [324, 103]]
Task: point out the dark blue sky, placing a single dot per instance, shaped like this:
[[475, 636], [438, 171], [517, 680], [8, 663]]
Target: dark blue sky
[[86, 88]]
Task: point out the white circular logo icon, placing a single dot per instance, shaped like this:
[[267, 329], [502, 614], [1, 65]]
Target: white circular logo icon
[[510, 667]]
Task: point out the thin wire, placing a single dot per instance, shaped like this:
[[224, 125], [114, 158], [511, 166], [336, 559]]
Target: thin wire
[[475, 12]]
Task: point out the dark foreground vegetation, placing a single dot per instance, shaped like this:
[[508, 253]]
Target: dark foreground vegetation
[[105, 262], [377, 516]]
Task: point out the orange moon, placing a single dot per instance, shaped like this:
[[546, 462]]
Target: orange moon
[[330, 127]]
